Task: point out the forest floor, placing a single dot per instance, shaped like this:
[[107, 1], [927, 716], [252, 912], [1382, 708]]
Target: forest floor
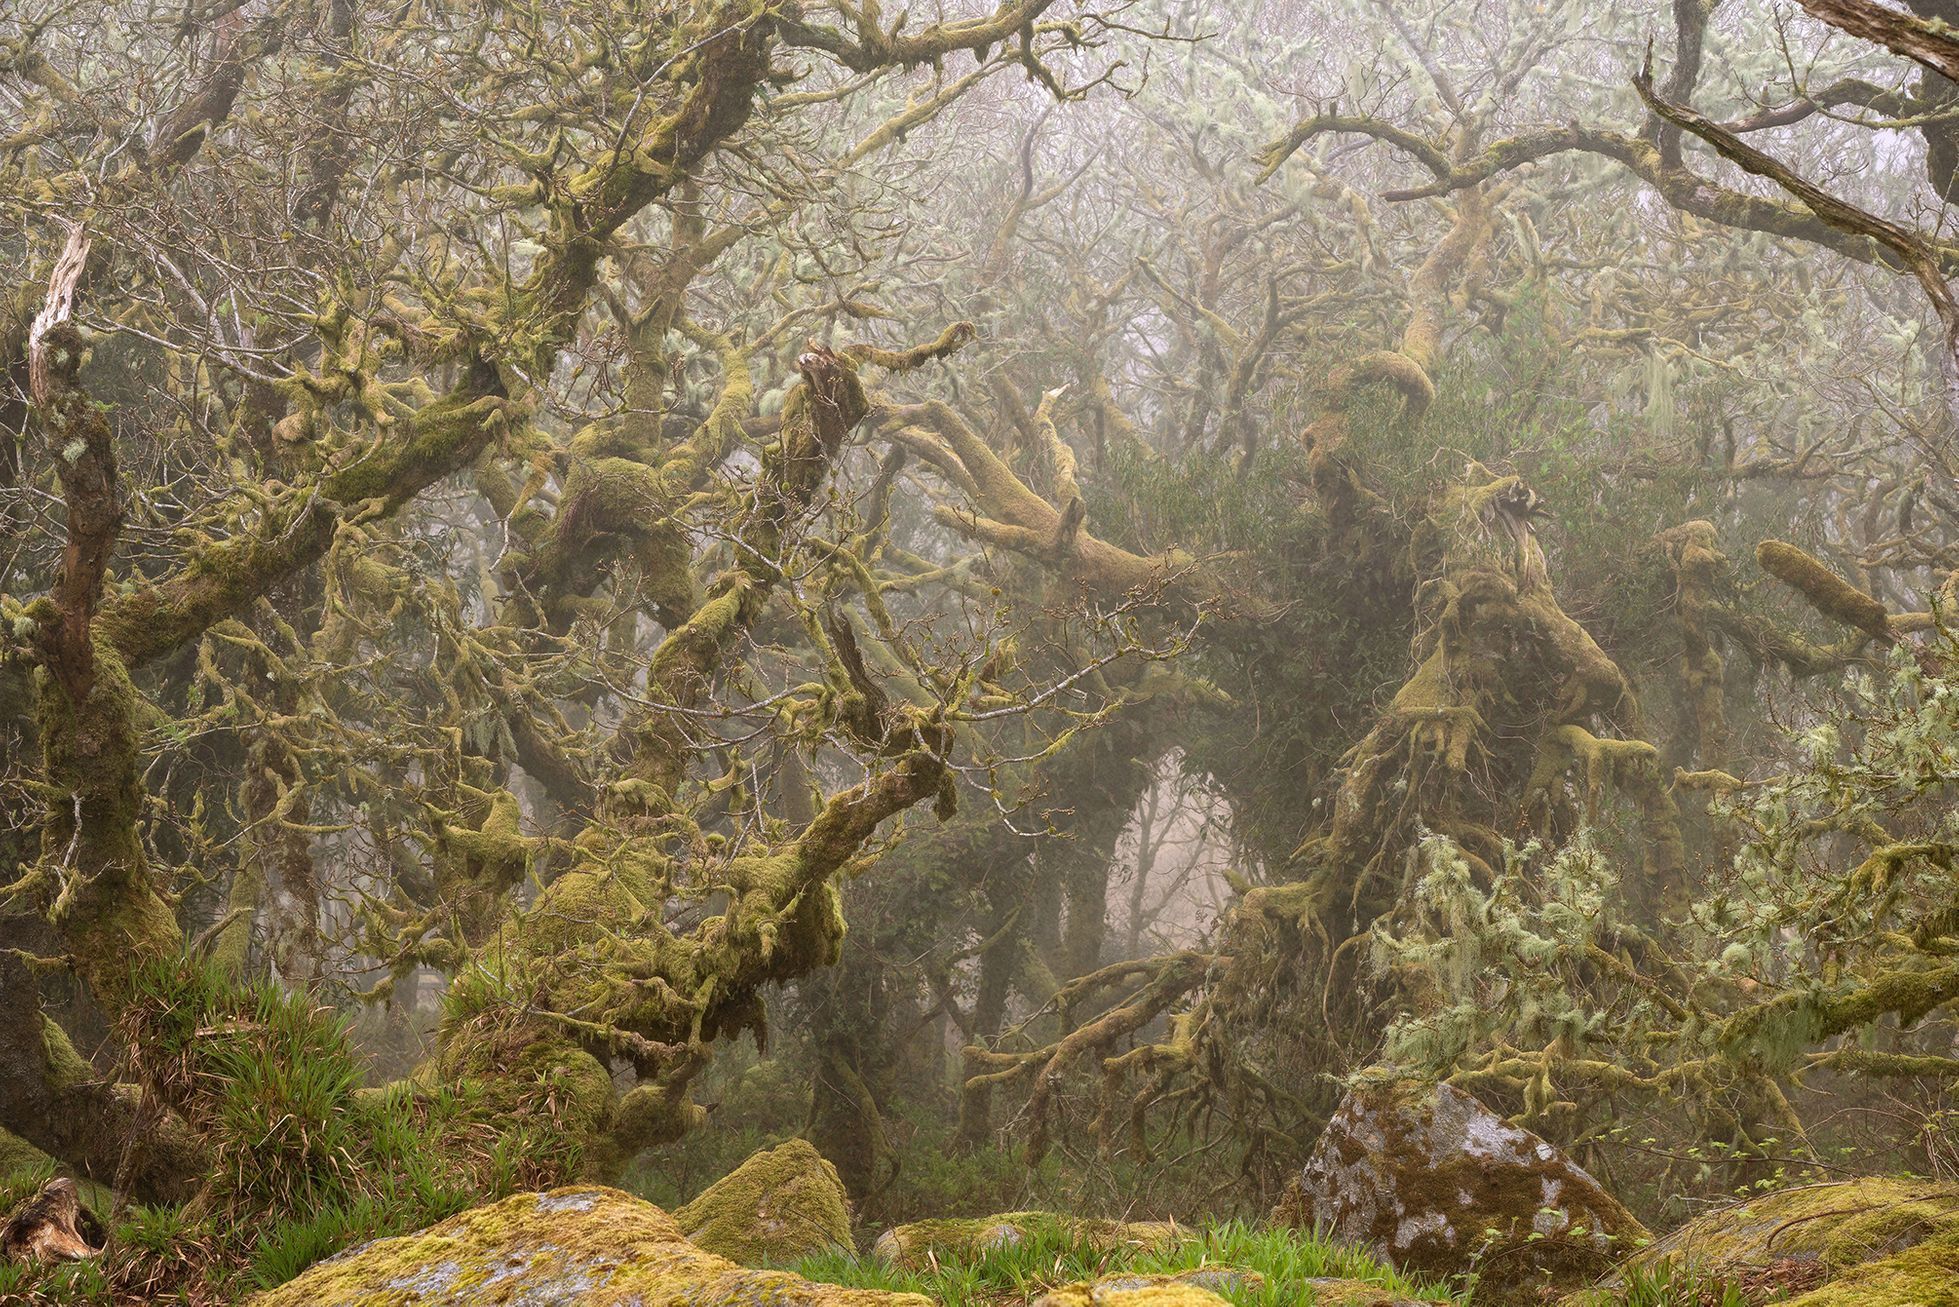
[[1258, 1268]]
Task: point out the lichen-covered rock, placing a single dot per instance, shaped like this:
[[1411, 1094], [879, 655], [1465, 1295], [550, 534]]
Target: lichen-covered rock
[[1438, 1184], [1165, 1289], [781, 1204], [1168, 1293], [916, 1244], [1856, 1243], [585, 1245]]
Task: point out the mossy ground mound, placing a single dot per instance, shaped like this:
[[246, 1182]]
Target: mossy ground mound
[[1916, 1277], [1874, 1242], [585, 1245], [1167, 1294], [781, 1204], [17, 1156], [922, 1242]]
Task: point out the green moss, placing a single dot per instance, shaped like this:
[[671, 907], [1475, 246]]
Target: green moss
[[1842, 1225], [66, 1067], [1916, 1277], [1191, 1288], [107, 909], [781, 1204], [653, 1114], [525, 1073], [586, 1244], [20, 1158], [695, 647], [589, 945], [219, 580], [223, 578], [616, 504], [443, 437], [1826, 592], [480, 858], [593, 966]]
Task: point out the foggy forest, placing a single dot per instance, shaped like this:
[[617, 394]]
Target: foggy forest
[[1085, 653]]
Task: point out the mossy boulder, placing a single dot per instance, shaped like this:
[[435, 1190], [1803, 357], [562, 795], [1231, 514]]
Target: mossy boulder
[[1917, 1277], [1857, 1243], [781, 1204], [1168, 1288], [1438, 1184], [919, 1243], [18, 1157], [1166, 1293], [584, 1244]]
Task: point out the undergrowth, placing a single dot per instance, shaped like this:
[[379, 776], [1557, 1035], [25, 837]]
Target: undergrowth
[[302, 1161], [1669, 1286], [929, 1174], [1288, 1260]]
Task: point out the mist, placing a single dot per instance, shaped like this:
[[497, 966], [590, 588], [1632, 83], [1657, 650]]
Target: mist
[[801, 651]]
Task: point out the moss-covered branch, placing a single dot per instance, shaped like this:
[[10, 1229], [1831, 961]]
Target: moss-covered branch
[[223, 578]]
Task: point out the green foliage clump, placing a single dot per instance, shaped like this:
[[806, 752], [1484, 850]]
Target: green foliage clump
[[1298, 678], [272, 1086], [303, 1160], [1670, 1286], [71, 1282], [1496, 956], [1822, 946]]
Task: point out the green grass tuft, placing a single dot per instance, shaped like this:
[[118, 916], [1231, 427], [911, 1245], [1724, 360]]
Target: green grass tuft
[[1670, 1286], [304, 1161], [1287, 1259]]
